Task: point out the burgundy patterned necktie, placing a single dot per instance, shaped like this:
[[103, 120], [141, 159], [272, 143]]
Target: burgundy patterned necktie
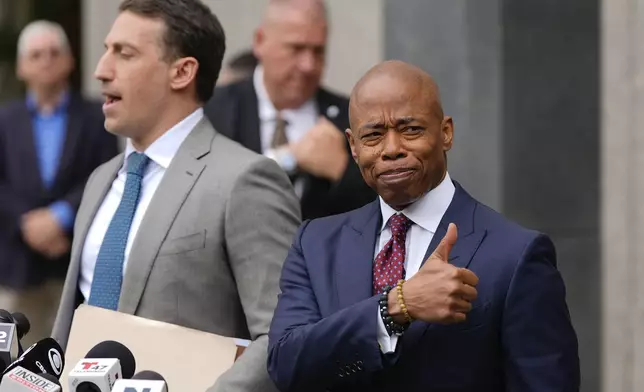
[[389, 266]]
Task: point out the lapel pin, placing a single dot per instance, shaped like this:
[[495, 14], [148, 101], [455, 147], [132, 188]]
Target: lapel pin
[[332, 111]]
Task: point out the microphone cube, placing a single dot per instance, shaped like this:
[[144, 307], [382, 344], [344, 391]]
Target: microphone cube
[[139, 386], [20, 379], [101, 373]]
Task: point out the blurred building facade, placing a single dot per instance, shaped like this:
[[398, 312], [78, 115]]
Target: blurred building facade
[[546, 97]]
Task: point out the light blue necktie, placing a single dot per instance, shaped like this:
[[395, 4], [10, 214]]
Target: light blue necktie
[[108, 272]]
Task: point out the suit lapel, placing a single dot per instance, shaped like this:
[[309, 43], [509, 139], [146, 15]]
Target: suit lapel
[[354, 275], [248, 118], [461, 212], [327, 109], [22, 136], [73, 134], [177, 182]]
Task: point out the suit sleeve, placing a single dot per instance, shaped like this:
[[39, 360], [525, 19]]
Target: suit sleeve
[[539, 342], [308, 352], [261, 218]]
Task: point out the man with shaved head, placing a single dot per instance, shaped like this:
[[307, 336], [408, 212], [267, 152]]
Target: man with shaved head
[[425, 289], [283, 113]]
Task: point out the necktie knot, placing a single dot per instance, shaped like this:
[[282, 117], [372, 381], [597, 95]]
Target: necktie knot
[[399, 224], [136, 163]]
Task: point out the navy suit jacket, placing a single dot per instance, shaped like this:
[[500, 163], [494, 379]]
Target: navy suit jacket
[[87, 145], [518, 336]]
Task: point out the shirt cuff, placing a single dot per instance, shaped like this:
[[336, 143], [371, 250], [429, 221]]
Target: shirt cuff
[[242, 342], [64, 214], [284, 157], [387, 343]]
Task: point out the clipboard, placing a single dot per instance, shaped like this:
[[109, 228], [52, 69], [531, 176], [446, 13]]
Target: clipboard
[[188, 359]]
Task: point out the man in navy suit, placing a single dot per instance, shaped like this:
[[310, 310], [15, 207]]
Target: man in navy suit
[[50, 142], [425, 289]]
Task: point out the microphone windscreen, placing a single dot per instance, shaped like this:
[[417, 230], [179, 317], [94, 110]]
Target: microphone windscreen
[[22, 323], [44, 356], [148, 375], [112, 349], [5, 316]]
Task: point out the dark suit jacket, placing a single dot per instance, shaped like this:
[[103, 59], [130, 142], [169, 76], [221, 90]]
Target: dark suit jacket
[[87, 145], [518, 336], [234, 112]]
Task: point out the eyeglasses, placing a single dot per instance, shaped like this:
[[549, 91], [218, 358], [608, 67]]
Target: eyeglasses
[[39, 54]]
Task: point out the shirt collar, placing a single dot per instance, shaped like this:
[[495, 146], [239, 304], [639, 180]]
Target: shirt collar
[[163, 150], [267, 111], [32, 104], [427, 211]]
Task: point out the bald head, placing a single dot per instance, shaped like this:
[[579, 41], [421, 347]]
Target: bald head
[[399, 136], [277, 10], [410, 81], [291, 47]]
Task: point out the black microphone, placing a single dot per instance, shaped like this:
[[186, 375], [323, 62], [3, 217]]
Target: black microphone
[[113, 349], [102, 366], [22, 324], [19, 319], [145, 380], [44, 356], [148, 375], [10, 346]]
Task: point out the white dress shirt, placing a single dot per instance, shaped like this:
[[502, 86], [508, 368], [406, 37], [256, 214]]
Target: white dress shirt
[[426, 214], [161, 153], [298, 122]]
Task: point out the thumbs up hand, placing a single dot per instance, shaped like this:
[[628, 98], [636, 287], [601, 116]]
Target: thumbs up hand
[[439, 292]]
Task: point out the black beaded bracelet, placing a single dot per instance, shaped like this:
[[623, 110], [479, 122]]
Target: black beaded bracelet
[[391, 326]]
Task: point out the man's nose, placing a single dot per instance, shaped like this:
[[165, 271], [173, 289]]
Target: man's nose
[[307, 61], [393, 147], [104, 69]]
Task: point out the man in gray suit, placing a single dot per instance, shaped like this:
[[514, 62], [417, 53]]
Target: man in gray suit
[[185, 226]]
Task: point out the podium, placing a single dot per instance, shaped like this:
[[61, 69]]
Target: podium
[[188, 359]]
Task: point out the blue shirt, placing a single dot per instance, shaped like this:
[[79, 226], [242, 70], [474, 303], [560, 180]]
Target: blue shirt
[[49, 131]]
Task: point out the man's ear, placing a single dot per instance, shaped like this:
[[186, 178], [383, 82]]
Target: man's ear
[[447, 132], [184, 71], [349, 134]]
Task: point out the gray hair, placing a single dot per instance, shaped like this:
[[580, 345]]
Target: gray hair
[[39, 27]]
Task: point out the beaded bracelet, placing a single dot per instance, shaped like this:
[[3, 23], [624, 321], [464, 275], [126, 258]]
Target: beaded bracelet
[[401, 300], [388, 321]]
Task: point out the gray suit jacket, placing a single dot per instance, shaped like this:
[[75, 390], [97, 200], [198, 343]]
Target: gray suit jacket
[[209, 251]]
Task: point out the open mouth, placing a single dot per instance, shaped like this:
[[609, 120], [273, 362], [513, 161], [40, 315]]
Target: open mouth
[[111, 99]]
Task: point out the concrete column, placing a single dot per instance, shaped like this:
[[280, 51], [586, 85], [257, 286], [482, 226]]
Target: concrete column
[[521, 81], [622, 168]]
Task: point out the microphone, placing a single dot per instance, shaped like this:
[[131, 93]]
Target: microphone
[[102, 366], [13, 327], [8, 343], [44, 356], [20, 379], [144, 381], [22, 324]]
